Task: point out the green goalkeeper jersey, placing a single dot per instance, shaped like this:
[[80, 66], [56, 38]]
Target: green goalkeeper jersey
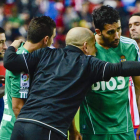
[[16, 85], [105, 109]]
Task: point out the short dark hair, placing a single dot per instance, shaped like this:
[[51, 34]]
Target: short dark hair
[[105, 15], [2, 30], [135, 14], [40, 27]]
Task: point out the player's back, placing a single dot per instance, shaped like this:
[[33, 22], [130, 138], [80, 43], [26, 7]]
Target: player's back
[[51, 101]]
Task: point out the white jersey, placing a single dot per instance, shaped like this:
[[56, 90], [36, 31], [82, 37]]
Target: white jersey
[[133, 105]]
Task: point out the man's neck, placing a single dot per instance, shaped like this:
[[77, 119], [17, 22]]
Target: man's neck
[[100, 41], [30, 47]]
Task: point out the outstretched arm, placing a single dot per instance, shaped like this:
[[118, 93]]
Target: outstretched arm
[[103, 71], [21, 62], [127, 68]]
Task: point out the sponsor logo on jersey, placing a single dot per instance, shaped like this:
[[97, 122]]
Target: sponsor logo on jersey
[[112, 84], [25, 77], [122, 58], [24, 80]]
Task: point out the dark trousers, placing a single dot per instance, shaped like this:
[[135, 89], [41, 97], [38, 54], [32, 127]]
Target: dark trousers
[[30, 131]]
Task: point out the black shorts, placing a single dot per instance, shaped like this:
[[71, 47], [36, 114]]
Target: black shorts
[[30, 131]]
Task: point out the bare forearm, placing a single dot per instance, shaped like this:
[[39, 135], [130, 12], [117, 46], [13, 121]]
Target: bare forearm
[[16, 111], [17, 104]]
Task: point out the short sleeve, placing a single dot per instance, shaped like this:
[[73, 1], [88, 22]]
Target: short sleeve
[[19, 85]]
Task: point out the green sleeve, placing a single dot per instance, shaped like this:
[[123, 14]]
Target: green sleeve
[[19, 85]]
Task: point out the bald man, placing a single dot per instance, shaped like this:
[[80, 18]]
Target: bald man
[[61, 80]]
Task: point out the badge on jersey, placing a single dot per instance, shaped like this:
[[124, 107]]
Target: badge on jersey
[[24, 85], [24, 80], [122, 58]]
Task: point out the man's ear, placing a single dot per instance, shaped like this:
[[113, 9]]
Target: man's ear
[[46, 40], [85, 48], [98, 32]]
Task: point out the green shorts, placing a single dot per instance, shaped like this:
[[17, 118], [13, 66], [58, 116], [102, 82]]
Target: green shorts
[[121, 136]]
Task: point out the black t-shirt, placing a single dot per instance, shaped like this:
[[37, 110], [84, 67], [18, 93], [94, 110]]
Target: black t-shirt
[[61, 79]]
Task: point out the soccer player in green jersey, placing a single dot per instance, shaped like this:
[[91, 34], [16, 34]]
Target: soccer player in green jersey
[[41, 32], [104, 114]]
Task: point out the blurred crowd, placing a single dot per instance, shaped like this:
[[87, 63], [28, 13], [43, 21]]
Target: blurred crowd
[[15, 15]]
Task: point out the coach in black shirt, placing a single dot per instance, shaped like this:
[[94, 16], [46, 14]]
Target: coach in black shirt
[[61, 80]]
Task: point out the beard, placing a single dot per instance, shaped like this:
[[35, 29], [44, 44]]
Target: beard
[[110, 44]]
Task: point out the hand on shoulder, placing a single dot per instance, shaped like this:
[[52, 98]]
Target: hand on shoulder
[[17, 43]]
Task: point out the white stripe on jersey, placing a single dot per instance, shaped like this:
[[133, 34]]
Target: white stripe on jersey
[[7, 117], [133, 105], [90, 116], [129, 41], [104, 71]]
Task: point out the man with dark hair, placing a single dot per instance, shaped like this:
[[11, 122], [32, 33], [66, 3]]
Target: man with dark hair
[[61, 80], [134, 29], [41, 32], [3, 47], [104, 114], [39, 27]]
